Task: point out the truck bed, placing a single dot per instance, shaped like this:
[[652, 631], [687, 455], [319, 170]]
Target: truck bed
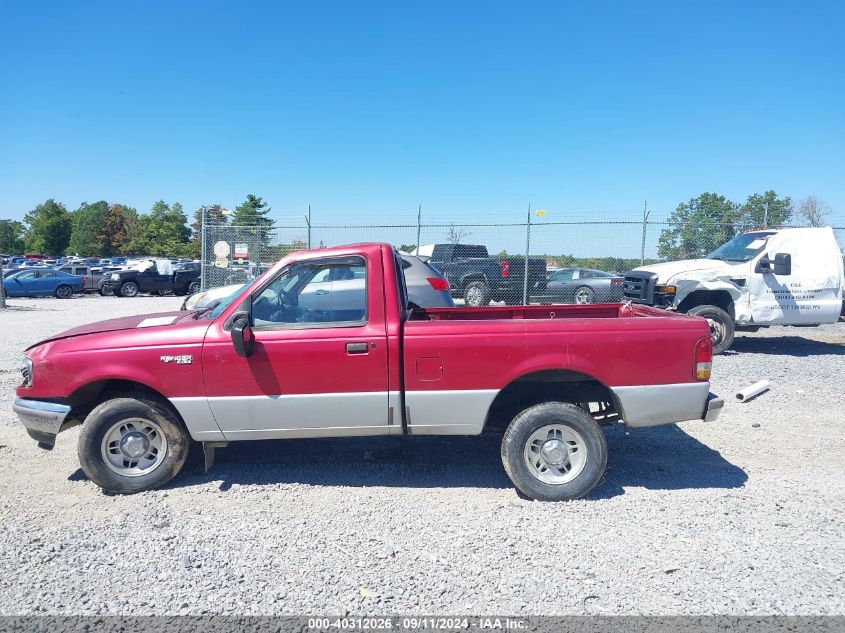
[[545, 312]]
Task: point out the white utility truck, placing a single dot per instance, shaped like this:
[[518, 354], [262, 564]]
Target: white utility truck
[[761, 278]]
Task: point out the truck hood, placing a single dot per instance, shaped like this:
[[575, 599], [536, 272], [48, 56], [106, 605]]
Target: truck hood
[[666, 271], [155, 320]]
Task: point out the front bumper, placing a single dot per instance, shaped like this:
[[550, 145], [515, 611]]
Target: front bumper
[[43, 420]]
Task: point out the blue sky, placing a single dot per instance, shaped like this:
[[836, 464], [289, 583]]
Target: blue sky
[[364, 110]]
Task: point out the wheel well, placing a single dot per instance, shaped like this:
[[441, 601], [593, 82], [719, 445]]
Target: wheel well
[[86, 398], [557, 385], [471, 278], [719, 298]]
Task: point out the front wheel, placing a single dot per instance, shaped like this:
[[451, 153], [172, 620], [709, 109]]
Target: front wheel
[[554, 451], [721, 326], [129, 445], [193, 287], [64, 292], [130, 289]]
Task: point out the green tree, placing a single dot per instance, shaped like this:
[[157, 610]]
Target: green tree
[[697, 227], [162, 232], [11, 237], [116, 230], [86, 228], [49, 230], [754, 213], [252, 212]]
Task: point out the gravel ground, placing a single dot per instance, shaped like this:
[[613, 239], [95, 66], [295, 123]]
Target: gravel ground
[[744, 515]]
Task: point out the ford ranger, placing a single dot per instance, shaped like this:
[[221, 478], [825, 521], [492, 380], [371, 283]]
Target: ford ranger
[[261, 365]]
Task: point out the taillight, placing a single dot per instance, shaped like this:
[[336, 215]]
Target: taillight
[[616, 282], [506, 267], [702, 363], [438, 283]]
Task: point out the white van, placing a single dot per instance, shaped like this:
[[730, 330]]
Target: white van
[[761, 278]]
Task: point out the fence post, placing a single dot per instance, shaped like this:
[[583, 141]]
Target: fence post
[[645, 226], [204, 253], [308, 222], [2, 288], [419, 228], [527, 251]]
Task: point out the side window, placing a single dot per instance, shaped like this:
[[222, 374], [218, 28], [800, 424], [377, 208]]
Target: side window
[[48, 274], [332, 293], [576, 274], [28, 276], [562, 275]]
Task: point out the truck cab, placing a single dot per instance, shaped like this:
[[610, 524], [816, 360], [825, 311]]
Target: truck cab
[[760, 278]]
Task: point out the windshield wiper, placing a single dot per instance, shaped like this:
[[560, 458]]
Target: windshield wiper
[[202, 311]]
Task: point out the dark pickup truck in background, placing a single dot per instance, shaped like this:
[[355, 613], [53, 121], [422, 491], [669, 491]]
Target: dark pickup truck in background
[[153, 276], [477, 278]]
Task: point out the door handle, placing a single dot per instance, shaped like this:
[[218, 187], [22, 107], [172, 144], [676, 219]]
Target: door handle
[[357, 348], [321, 292]]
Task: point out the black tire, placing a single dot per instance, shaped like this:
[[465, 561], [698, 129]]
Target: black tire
[[476, 294], [64, 292], [194, 287], [721, 324], [583, 295], [105, 291], [129, 289], [557, 414], [104, 417]]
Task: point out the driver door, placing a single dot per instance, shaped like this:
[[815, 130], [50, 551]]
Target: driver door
[[315, 371]]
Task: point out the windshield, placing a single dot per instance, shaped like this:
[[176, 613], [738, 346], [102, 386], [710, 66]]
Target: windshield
[[226, 302], [742, 248]]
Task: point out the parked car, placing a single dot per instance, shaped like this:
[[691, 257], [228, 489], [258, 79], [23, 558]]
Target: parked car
[[211, 297], [154, 276], [42, 283], [268, 365], [478, 278], [757, 279], [580, 285], [93, 276]]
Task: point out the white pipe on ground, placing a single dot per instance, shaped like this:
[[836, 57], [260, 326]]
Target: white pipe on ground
[[752, 391]]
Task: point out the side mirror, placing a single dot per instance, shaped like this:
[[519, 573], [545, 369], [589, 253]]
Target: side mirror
[[780, 265], [242, 337], [783, 264]]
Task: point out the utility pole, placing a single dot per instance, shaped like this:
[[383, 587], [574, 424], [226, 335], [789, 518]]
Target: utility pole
[[527, 251], [645, 225]]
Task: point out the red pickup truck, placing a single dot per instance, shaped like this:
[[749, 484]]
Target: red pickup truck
[[302, 352]]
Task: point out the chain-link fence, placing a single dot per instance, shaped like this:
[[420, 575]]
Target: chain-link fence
[[236, 254]]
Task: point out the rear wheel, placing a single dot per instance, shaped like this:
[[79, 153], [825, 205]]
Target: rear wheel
[[554, 451], [721, 326], [129, 445], [64, 292], [476, 294], [129, 289], [584, 295], [193, 287]]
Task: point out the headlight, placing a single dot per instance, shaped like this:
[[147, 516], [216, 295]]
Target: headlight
[[26, 372], [115, 277], [669, 290]]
